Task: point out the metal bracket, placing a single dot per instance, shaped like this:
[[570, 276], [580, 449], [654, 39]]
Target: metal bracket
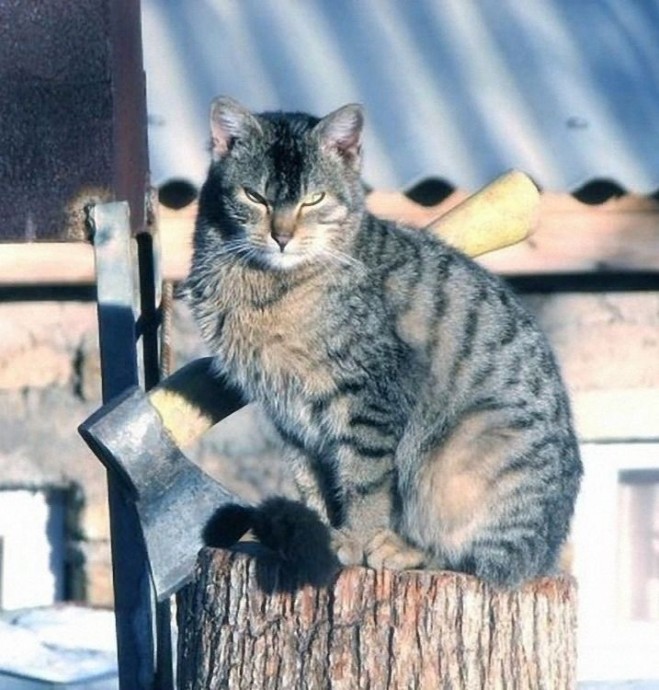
[[143, 628]]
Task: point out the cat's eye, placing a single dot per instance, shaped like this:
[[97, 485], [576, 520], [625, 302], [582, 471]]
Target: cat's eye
[[313, 199], [254, 196]]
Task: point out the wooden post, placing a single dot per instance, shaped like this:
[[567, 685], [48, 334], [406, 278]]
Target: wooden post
[[372, 629]]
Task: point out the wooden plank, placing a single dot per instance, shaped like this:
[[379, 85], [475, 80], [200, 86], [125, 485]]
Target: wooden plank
[[571, 237]]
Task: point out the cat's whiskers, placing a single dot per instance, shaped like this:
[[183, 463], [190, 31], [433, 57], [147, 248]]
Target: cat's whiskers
[[343, 259], [241, 248], [231, 246]]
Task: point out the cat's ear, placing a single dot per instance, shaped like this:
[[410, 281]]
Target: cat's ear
[[230, 121], [341, 131]]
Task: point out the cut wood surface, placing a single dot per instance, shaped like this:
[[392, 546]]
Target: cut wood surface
[[375, 630], [570, 237]]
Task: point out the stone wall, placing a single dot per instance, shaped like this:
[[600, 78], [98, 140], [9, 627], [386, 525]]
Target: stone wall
[[50, 382], [607, 344], [608, 347]]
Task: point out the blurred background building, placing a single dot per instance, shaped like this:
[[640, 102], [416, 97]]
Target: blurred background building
[[456, 93]]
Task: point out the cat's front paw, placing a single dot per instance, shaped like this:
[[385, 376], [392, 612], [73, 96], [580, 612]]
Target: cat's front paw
[[348, 550], [388, 550]]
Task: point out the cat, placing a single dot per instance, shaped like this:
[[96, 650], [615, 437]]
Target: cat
[[423, 413]]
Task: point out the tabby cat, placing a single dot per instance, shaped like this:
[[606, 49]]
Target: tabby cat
[[421, 407]]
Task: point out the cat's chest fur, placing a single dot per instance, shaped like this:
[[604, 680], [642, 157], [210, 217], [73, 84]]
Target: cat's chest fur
[[273, 338]]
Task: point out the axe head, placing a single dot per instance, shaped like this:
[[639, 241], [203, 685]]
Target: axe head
[[174, 499]]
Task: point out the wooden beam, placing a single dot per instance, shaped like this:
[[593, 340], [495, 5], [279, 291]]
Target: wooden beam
[[571, 237], [47, 263], [586, 241]]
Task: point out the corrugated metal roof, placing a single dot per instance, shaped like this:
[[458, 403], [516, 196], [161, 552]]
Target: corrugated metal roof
[[462, 90]]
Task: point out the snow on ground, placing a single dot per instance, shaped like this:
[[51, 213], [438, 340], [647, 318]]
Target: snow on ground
[[73, 644], [621, 685], [58, 644]]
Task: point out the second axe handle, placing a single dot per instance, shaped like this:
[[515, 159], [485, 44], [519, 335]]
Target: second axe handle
[[500, 214]]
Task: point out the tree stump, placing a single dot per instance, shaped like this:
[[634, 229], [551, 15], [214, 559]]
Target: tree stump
[[373, 630]]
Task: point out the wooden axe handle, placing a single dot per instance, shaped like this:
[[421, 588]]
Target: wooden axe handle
[[193, 399], [500, 214]]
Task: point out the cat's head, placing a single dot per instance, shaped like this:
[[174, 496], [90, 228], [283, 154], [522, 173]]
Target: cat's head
[[283, 188]]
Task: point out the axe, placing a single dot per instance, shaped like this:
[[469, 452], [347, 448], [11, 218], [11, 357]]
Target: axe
[[138, 435]]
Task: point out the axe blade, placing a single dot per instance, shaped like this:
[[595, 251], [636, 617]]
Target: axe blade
[[174, 498]]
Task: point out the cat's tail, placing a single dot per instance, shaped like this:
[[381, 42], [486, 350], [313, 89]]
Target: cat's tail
[[297, 543]]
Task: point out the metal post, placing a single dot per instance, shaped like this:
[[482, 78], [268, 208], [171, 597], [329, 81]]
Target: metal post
[[143, 630]]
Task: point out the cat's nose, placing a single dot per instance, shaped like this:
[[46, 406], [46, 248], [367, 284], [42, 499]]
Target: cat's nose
[[281, 239], [282, 226]]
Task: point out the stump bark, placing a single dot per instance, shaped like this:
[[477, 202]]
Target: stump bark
[[372, 630]]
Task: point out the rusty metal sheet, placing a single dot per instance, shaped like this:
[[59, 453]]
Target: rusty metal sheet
[[72, 115]]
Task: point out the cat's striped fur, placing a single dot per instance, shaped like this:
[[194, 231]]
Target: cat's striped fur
[[422, 408]]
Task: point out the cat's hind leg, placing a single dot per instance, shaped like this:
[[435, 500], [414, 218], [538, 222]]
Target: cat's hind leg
[[476, 497]]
